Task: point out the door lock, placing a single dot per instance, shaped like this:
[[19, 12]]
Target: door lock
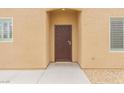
[[69, 42]]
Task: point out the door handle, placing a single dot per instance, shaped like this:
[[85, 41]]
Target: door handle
[[69, 42]]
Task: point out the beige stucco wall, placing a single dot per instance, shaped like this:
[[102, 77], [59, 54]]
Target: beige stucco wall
[[95, 51], [33, 44], [59, 17], [28, 49], [80, 29]]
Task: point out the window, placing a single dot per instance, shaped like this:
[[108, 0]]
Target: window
[[5, 29]]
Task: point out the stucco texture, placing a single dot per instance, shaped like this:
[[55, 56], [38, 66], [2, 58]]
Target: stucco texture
[[33, 42], [28, 49], [94, 39]]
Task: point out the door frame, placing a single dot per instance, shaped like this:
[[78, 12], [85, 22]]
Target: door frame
[[55, 42]]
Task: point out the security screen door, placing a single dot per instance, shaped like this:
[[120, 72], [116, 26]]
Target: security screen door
[[63, 43]]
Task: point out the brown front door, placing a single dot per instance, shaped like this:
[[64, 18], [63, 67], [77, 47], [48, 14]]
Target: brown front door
[[63, 43]]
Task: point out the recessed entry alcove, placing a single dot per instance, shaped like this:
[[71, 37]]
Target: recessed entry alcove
[[63, 35]]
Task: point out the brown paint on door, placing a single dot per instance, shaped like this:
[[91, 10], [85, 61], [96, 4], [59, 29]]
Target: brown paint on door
[[63, 42]]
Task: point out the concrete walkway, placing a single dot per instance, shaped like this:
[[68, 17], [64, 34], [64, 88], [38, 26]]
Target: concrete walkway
[[56, 73]]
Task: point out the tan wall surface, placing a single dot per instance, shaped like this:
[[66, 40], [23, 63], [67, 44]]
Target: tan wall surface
[[64, 17], [95, 39], [28, 49], [80, 29]]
